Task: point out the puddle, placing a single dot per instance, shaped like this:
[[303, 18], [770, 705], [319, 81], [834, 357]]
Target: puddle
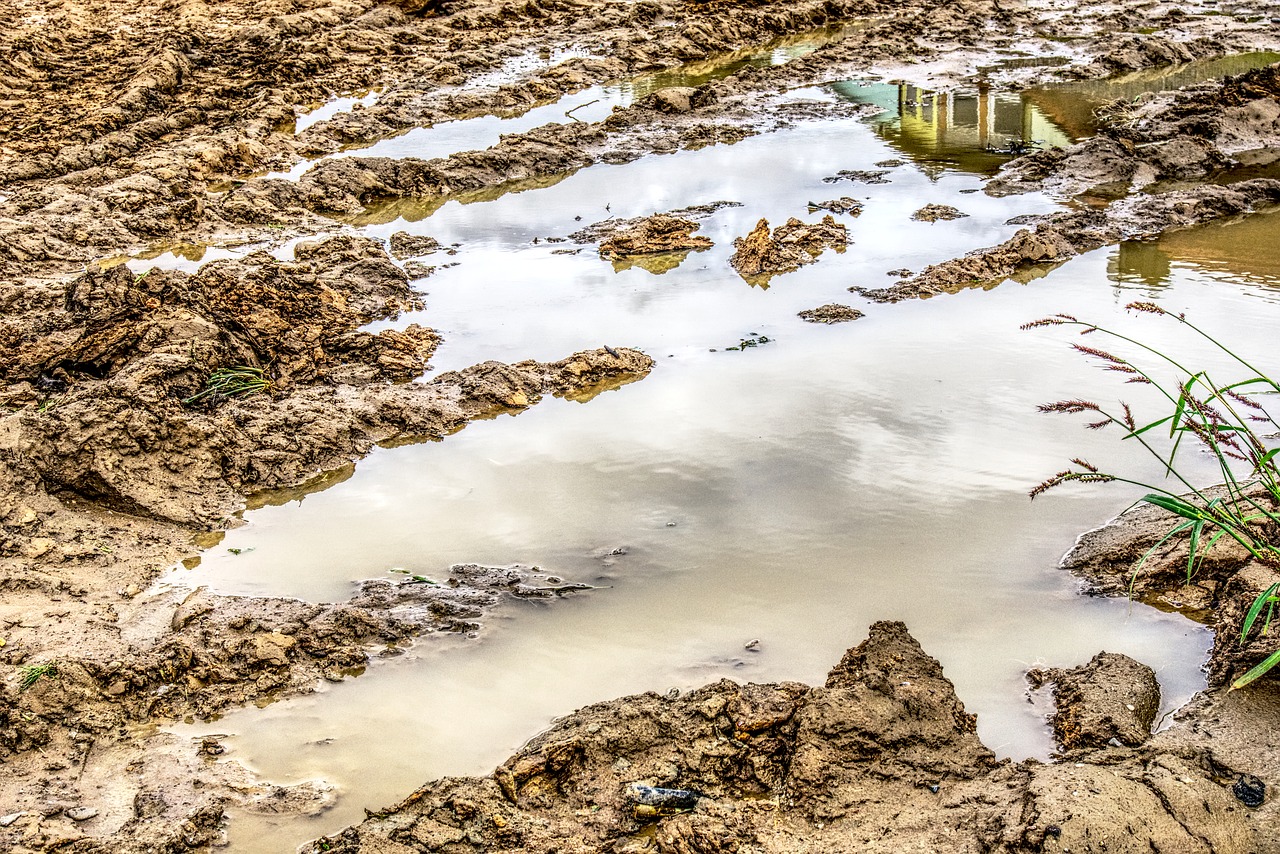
[[977, 130], [1247, 251], [316, 113], [791, 492], [588, 105]]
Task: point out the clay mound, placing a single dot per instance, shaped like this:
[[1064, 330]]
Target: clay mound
[[652, 235], [789, 247]]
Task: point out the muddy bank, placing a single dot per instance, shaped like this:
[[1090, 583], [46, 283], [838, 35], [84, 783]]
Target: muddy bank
[[1223, 587], [1058, 237], [883, 757]]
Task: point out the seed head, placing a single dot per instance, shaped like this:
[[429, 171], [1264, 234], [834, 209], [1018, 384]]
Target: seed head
[[1148, 307]]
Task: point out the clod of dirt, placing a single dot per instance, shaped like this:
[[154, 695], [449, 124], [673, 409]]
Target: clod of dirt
[[674, 99], [760, 254], [830, 313], [655, 234], [933, 213], [842, 205], [859, 176], [1111, 697], [405, 245]]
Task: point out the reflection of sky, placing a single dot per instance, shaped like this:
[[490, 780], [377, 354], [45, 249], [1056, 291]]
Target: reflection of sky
[[833, 477]]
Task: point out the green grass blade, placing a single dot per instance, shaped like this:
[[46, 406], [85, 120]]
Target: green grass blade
[[1261, 670]]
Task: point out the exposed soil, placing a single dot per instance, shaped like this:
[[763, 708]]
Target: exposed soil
[[129, 124], [763, 254], [883, 757]]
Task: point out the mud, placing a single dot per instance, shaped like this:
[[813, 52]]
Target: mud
[[882, 757], [125, 127], [763, 254], [830, 313], [1111, 700]]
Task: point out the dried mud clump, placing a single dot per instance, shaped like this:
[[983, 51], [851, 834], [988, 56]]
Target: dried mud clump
[[882, 758], [843, 205], [830, 313], [933, 213], [859, 176], [1111, 699], [652, 235], [762, 254]]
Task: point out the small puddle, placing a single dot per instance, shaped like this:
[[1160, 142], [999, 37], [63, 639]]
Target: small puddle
[[588, 105], [316, 113], [791, 492]]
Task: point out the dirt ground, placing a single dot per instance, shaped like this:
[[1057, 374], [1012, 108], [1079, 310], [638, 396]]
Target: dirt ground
[[127, 126]]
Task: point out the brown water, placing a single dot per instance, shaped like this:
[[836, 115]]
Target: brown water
[[792, 492]]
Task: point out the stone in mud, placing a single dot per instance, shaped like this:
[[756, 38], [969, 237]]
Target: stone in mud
[[933, 213], [830, 313], [861, 176], [652, 235], [1111, 697], [842, 205], [762, 254], [405, 245]]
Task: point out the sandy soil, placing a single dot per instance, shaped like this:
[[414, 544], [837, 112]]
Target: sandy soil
[[129, 124]]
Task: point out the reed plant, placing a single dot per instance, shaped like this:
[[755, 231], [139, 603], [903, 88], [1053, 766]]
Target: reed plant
[[1229, 421]]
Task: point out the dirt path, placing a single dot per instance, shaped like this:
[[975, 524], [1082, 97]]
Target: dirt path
[[129, 125]]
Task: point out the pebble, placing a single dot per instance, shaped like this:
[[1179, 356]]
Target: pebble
[[6, 820], [752, 645], [81, 813]]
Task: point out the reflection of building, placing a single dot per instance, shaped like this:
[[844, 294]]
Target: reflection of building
[[1139, 263], [965, 130]]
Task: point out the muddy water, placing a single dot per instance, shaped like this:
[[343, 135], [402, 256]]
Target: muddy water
[[792, 492]]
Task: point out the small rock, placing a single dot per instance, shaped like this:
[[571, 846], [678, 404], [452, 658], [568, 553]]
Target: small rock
[[753, 645], [830, 313], [933, 213], [7, 820], [81, 813], [1249, 790]]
